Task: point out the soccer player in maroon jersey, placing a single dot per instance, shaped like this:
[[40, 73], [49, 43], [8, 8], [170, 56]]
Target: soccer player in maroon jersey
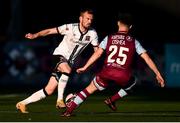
[[120, 49]]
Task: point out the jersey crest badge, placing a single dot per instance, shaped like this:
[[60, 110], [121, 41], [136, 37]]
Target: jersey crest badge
[[87, 38], [128, 38]]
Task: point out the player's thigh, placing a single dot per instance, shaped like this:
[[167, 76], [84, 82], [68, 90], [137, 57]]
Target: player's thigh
[[64, 67], [61, 64]]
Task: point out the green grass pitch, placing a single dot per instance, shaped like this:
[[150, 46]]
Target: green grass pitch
[[138, 107]]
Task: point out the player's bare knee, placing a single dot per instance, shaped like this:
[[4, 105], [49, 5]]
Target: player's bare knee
[[49, 91]]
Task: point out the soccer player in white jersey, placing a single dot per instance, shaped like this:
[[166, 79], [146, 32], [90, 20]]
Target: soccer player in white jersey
[[76, 37]]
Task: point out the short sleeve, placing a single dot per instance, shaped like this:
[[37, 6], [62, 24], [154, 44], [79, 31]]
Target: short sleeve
[[64, 29], [103, 43], [139, 48], [94, 41]]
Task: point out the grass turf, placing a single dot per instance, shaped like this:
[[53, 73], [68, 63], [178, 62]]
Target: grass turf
[[139, 107]]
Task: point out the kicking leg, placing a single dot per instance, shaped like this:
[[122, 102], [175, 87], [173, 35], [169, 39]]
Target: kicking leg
[[37, 96]]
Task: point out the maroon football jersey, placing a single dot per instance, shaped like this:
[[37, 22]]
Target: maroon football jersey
[[120, 52]]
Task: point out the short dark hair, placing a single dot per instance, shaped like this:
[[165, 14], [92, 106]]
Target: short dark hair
[[88, 10], [125, 18]]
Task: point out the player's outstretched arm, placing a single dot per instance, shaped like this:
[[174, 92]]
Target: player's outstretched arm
[[152, 65], [91, 60], [41, 33]]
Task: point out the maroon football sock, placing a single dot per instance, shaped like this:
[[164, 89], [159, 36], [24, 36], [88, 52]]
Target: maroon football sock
[[80, 97], [115, 97], [71, 106]]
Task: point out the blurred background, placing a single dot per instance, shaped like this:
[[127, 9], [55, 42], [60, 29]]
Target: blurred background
[[25, 65]]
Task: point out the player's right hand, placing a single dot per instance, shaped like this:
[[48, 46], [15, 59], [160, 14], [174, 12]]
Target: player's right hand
[[160, 80], [30, 36], [80, 70]]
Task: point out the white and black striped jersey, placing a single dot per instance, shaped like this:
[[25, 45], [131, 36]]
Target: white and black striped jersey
[[74, 40]]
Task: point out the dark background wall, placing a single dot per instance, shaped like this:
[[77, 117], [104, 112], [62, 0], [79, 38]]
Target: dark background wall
[[153, 16], [156, 23]]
